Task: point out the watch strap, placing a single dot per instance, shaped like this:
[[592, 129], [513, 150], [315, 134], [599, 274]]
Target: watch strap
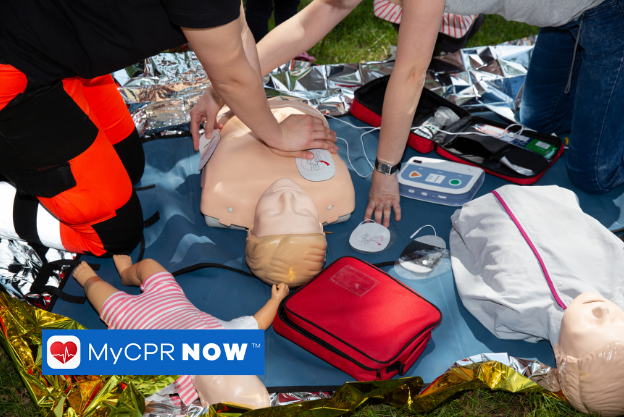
[[385, 168]]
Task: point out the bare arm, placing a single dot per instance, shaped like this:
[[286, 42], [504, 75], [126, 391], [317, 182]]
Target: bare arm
[[140, 271], [420, 23], [302, 31], [223, 56], [228, 54], [267, 313], [249, 44]]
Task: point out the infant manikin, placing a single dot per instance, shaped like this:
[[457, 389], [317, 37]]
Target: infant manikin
[[160, 292], [242, 167], [286, 243]]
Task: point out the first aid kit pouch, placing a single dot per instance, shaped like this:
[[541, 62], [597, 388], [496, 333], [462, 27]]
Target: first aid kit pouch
[[359, 319], [368, 103], [506, 150]]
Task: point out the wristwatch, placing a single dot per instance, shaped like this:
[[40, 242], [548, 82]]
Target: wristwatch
[[385, 168]]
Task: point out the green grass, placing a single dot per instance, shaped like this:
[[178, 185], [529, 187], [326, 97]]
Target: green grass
[[363, 37], [15, 401], [485, 403]]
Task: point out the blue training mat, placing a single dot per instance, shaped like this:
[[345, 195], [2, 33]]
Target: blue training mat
[[181, 238]]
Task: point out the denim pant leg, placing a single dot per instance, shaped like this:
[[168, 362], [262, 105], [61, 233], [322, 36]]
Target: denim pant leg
[[595, 157], [258, 13], [545, 107]]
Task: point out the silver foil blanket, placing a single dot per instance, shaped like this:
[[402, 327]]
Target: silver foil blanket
[[162, 90], [540, 373], [20, 264], [532, 369]]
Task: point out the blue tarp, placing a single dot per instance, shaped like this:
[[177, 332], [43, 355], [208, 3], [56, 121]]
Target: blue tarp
[[181, 238]]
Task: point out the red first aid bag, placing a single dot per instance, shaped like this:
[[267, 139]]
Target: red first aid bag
[[464, 142], [359, 319]]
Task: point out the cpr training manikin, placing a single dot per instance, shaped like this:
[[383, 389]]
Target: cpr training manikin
[[530, 265], [282, 202], [243, 167]]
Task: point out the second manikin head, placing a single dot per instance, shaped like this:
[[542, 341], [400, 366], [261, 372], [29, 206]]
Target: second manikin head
[[286, 242]]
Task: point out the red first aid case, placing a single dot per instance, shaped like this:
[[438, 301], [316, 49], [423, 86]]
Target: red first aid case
[[359, 319], [465, 141]]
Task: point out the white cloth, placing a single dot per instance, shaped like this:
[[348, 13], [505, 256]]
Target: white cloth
[[542, 13], [498, 276], [241, 323]]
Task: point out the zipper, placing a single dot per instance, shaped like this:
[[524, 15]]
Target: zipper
[[321, 342]]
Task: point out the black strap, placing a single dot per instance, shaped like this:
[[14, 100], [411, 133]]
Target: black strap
[[148, 137], [39, 286], [147, 187], [382, 264], [394, 367], [147, 223], [203, 265], [150, 222]]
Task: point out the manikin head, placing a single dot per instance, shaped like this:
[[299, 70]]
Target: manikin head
[[590, 355], [245, 390], [286, 242]]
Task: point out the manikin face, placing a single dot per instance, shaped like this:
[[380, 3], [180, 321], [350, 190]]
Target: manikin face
[[590, 322], [285, 208]]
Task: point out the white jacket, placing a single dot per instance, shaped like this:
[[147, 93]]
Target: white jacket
[[499, 276]]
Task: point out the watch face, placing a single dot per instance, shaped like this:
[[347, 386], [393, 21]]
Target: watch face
[[384, 169]]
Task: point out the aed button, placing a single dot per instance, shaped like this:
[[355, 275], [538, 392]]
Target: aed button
[[455, 182]]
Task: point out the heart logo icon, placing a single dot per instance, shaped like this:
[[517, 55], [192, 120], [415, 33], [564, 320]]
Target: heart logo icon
[[63, 352]]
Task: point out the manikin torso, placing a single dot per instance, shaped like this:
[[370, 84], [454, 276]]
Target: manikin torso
[[242, 168]]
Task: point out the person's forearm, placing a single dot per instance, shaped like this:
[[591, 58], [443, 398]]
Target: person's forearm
[[301, 32], [421, 21], [249, 44], [242, 90], [223, 56], [401, 100]]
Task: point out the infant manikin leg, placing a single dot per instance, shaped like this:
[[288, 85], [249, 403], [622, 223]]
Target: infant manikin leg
[[24, 218]]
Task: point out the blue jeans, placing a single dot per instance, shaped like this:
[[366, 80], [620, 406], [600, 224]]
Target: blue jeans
[[593, 110]]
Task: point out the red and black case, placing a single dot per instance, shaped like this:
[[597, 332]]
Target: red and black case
[[467, 148], [359, 319]]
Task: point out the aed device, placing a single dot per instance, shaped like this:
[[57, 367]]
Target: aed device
[[440, 182]]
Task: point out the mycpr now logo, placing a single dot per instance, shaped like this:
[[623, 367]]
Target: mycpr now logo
[[153, 352]]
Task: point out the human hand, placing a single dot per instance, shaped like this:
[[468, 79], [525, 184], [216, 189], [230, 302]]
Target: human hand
[[279, 292], [206, 110], [301, 132], [382, 197]]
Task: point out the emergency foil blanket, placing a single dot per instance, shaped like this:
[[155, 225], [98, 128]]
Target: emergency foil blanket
[[67, 395], [162, 90], [20, 264], [99, 395]]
